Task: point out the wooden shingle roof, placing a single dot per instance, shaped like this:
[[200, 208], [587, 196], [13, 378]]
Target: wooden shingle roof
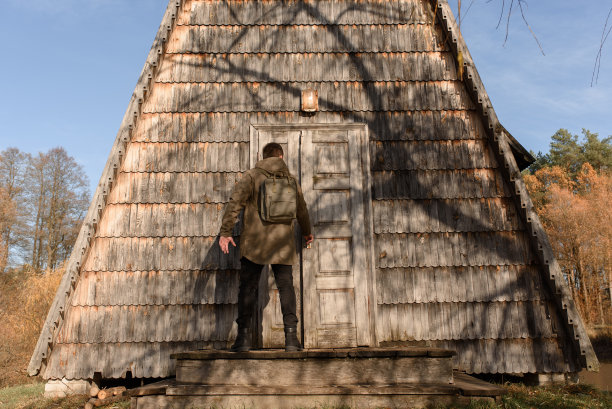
[[462, 260]]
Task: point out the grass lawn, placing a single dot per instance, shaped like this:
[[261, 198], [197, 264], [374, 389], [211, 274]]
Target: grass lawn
[[31, 397], [555, 397], [518, 397]]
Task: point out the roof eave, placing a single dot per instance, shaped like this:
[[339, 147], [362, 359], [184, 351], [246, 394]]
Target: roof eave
[[522, 156]]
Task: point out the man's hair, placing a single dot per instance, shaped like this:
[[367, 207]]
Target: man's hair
[[272, 149]]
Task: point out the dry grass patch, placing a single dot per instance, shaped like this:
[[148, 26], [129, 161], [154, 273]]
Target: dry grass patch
[[25, 298]]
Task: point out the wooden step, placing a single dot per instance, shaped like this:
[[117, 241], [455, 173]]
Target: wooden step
[[316, 368], [171, 394], [353, 377]]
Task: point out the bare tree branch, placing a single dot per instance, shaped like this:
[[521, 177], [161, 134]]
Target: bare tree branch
[[520, 3], [604, 37], [466, 11], [501, 14], [508, 16], [508, 22]]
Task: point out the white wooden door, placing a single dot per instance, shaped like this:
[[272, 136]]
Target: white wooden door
[[335, 270]]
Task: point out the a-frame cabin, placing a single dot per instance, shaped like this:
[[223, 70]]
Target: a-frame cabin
[[425, 232]]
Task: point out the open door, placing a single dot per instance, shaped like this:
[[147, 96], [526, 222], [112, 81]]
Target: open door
[[332, 278]]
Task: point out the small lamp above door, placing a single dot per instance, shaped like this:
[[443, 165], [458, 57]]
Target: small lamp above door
[[310, 100]]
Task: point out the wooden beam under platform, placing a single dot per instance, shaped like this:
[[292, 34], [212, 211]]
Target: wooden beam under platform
[[354, 377]]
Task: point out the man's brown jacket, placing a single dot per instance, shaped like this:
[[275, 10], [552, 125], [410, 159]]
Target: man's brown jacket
[[262, 242]]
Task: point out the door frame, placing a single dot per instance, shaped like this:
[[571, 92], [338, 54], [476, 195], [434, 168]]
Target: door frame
[[364, 145]]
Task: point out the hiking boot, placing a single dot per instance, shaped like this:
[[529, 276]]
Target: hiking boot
[[291, 341], [243, 341]]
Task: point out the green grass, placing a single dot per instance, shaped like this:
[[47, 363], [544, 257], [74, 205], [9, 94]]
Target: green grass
[[15, 395], [556, 397], [31, 397], [518, 397], [549, 397]]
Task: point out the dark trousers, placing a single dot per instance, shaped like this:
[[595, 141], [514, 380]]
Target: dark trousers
[[247, 294]]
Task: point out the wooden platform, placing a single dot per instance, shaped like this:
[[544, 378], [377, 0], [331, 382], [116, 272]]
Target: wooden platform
[[359, 378]]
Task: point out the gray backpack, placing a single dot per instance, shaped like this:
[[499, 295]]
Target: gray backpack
[[277, 197]]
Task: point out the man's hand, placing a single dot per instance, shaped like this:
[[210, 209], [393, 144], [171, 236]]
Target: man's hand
[[224, 244], [309, 239]]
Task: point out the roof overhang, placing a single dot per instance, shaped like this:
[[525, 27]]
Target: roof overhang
[[521, 155]]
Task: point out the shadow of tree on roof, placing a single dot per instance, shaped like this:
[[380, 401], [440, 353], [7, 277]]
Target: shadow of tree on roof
[[402, 116]]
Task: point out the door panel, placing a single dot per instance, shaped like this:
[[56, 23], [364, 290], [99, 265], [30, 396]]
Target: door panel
[[331, 269]]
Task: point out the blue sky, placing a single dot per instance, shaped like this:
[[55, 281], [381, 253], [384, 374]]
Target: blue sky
[[69, 68]]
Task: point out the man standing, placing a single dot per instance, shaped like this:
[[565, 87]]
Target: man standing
[[264, 243]]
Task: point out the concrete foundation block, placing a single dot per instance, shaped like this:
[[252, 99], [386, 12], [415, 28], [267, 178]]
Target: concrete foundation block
[[60, 388], [541, 379]]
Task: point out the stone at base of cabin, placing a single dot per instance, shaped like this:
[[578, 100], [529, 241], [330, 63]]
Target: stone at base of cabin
[[541, 379], [60, 388]]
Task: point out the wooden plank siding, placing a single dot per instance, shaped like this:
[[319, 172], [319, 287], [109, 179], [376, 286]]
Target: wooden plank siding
[[162, 220], [441, 125], [452, 249], [469, 320], [454, 261], [285, 67], [173, 187], [514, 356], [351, 96], [292, 12], [147, 323], [154, 287], [187, 157], [445, 215], [113, 360], [159, 253], [291, 39], [479, 284], [439, 184]]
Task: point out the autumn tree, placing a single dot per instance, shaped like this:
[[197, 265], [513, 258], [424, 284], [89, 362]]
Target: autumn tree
[[58, 198], [7, 217], [43, 199], [13, 217], [573, 198]]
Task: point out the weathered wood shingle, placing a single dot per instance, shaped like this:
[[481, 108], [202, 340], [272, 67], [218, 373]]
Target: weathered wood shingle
[[445, 215], [291, 12], [308, 67], [459, 284], [154, 287], [285, 96], [173, 187], [304, 39], [185, 157], [455, 262]]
